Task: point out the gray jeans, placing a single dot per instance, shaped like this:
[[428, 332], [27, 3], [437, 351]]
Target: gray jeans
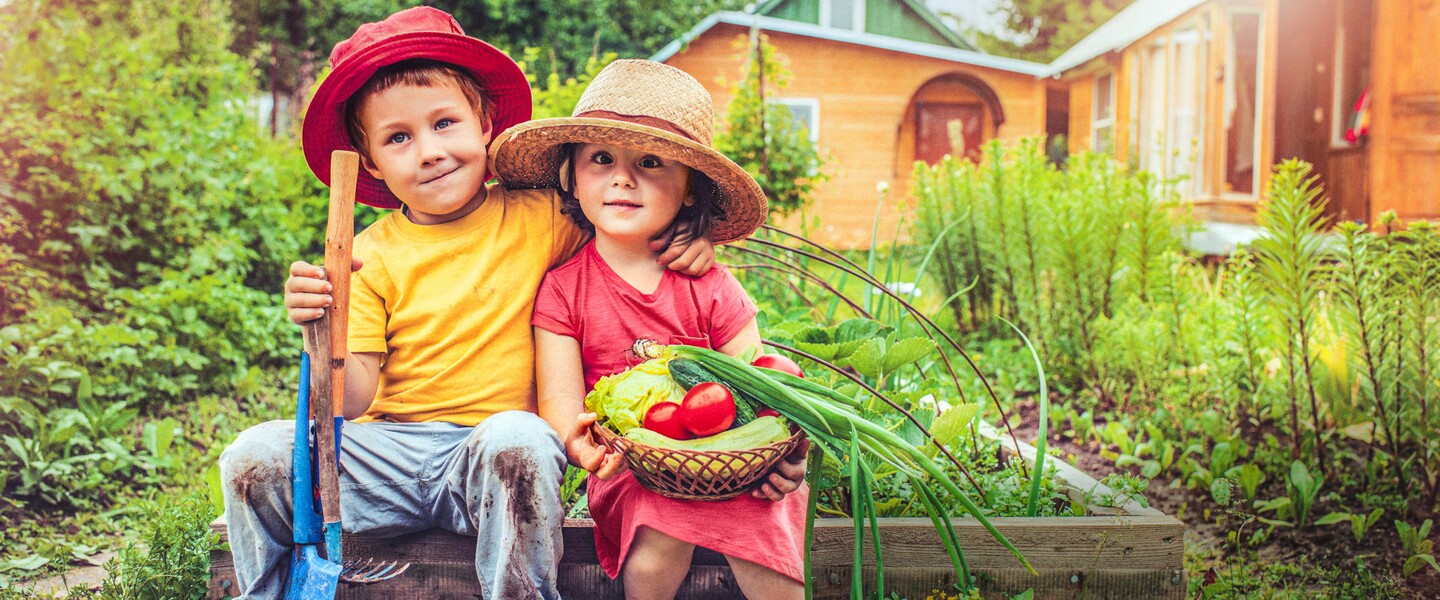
[[499, 481]]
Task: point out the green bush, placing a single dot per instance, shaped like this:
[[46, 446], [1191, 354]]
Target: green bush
[[145, 227]]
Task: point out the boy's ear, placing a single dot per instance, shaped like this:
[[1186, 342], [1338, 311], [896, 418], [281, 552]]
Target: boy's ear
[[565, 175], [369, 166]]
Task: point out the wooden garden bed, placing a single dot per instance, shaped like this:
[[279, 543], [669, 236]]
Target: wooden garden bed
[[1137, 552]]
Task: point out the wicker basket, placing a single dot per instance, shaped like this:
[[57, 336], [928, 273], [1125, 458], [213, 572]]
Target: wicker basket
[[707, 474]]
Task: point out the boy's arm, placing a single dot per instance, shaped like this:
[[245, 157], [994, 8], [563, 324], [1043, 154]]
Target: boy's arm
[[694, 257], [560, 386], [362, 377], [307, 293]]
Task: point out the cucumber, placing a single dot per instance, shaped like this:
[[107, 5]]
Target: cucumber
[[689, 373]]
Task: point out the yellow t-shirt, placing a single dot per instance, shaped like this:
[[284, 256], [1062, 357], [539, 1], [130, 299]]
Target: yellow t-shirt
[[449, 305]]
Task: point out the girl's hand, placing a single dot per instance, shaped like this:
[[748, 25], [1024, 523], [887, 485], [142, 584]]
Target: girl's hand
[[592, 457], [307, 293], [786, 476]]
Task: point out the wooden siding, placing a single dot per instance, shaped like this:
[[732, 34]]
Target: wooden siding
[[865, 96], [1082, 114], [1405, 99]]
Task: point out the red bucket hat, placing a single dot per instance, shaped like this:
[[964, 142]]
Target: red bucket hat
[[420, 32]]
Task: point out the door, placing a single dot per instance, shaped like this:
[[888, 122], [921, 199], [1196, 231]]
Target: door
[[1405, 130], [932, 130]]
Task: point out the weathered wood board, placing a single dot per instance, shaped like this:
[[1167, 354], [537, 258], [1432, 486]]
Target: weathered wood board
[[1090, 557], [1138, 553]]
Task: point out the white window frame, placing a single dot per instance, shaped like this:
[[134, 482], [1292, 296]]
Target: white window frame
[[813, 123], [1097, 123], [1262, 25], [857, 16]]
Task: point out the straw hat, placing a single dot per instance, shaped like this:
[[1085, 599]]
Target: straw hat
[[636, 104], [415, 33]]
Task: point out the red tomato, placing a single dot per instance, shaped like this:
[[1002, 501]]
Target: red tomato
[[664, 419], [767, 412], [707, 409], [779, 362]]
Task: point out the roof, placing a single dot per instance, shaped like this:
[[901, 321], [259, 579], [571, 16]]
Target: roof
[[768, 8], [1123, 29], [969, 57]]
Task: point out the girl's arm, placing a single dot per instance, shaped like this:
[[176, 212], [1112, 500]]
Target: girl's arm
[[560, 385]]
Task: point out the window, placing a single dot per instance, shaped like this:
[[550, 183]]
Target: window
[[1102, 120], [1242, 101], [1168, 100], [1352, 66], [843, 14], [805, 111]]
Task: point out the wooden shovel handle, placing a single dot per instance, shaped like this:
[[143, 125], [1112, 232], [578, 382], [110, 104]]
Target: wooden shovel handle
[[325, 338]]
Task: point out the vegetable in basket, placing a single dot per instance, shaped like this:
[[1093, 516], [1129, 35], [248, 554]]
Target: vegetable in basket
[[620, 401]]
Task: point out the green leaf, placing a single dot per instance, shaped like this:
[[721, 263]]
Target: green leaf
[[29, 563], [869, 359], [1333, 518], [953, 423], [906, 351], [1415, 563]]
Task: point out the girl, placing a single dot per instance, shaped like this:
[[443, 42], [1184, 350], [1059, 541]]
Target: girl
[[635, 158]]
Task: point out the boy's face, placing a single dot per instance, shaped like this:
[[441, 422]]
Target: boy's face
[[628, 194], [428, 145]]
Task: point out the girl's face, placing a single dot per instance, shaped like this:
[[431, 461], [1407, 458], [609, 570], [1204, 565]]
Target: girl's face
[[629, 195]]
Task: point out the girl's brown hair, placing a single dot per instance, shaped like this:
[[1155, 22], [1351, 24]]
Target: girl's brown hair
[[691, 222]]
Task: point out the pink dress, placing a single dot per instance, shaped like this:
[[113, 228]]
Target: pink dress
[[588, 301]]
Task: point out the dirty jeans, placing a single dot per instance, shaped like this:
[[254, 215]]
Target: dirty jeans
[[499, 481]]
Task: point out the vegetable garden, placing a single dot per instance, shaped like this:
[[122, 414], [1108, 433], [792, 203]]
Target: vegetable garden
[[1278, 402]]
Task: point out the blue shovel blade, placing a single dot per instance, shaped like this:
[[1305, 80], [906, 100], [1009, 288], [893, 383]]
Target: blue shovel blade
[[311, 576]]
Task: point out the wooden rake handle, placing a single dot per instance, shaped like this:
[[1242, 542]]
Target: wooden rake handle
[[325, 338]]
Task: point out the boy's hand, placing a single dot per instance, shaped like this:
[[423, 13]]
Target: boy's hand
[[694, 259], [590, 456], [307, 293], [786, 476]]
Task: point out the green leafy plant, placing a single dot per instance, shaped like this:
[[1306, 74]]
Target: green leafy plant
[[1290, 263], [1359, 524], [1303, 489], [1419, 549]]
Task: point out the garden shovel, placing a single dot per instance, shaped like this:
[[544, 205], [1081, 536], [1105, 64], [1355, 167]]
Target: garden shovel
[[322, 375]]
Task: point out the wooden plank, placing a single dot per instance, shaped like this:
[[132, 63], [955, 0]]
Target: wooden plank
[[1125, 555], [1067, 543], [1139, 554]]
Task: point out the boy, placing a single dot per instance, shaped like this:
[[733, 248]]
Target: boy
[[440, 379]]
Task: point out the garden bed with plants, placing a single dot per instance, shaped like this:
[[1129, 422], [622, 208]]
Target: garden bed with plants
[[1120, 549]]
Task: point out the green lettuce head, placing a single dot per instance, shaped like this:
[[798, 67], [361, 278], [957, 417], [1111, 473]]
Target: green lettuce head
[[619, 401]]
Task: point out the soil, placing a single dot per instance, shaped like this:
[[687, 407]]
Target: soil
[[1207, 525]]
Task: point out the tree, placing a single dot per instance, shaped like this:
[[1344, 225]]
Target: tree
[[291, 40], [1041, 30], [764, 138]]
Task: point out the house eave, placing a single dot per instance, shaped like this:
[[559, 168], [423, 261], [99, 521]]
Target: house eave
[[969, 57]]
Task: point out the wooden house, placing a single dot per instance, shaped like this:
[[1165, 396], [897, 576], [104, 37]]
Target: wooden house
[[1218, 90], [1210, 92], [875, 82]]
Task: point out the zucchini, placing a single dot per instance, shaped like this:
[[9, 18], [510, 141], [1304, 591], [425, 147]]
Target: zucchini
[[760, 432], [689, 373]]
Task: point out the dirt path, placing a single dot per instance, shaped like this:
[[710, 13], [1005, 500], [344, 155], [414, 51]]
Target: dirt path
[[87, 577]]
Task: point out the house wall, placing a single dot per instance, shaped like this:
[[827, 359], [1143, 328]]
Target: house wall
[[1082, 113], [864, 95], [1405, 129]]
